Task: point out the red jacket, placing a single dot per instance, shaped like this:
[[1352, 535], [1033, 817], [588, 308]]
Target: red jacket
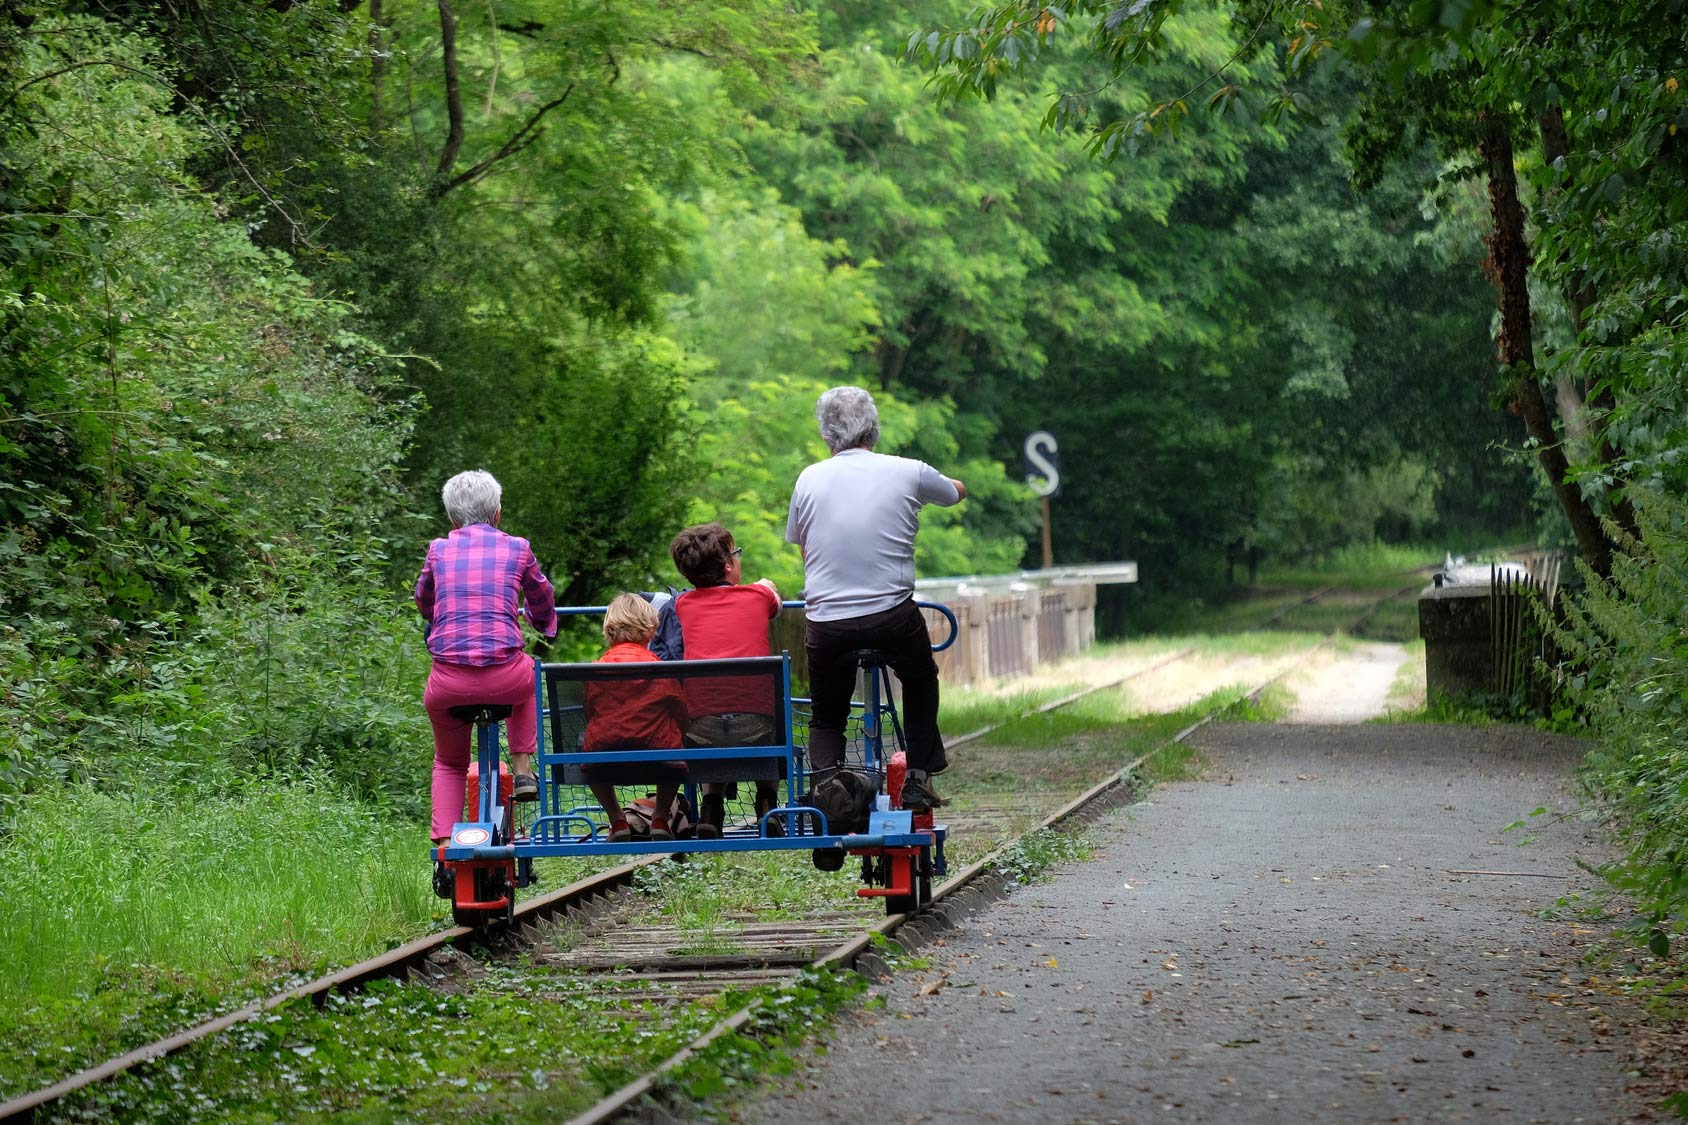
[[634, 714]]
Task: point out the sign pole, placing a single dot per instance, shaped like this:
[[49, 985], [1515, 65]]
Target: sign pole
[[1048, 553]]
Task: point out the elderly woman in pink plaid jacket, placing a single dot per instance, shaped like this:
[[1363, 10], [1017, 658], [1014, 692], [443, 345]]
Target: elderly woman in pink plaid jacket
[[470, 593]]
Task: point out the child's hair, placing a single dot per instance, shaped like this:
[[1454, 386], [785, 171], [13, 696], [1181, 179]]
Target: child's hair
[[629, 619], [700, 553]]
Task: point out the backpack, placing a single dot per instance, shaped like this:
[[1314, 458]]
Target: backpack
[[846, 798]]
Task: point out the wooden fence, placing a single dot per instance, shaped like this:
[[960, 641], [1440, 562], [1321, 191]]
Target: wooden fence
[[1521, 651], [1002, 634]]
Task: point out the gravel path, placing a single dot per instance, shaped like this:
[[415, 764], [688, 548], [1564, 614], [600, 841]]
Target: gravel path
[[1280, 941]]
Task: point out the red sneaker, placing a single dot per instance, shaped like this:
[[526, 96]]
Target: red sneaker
[[619, 832], [659, 829]]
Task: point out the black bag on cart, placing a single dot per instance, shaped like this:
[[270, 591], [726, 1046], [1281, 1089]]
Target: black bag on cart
[[847, 799]]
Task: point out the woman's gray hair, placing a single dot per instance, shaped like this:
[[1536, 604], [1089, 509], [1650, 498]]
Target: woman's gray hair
[[471, 497], [848, 419]]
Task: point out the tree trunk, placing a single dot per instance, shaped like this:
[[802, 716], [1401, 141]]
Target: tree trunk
[[1510, 255], [377, 69], [453, 95]]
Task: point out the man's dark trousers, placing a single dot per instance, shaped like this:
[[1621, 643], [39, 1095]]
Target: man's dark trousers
[[900, 633]]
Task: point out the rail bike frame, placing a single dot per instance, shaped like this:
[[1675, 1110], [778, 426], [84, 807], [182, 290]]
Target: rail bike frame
[[490, 853]]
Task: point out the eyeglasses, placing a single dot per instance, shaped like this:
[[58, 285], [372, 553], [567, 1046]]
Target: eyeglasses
[[735, 552]]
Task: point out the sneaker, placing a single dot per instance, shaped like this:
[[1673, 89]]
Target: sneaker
[[619, 832], [659, 829], [827, 859], [712, 816], [444, 883], [918, 794], [526, 788]]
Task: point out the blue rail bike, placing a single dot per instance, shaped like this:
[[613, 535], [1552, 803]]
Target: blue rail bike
[[490, 854]]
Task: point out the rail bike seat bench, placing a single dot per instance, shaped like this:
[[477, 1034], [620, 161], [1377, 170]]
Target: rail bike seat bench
[[591, 710]]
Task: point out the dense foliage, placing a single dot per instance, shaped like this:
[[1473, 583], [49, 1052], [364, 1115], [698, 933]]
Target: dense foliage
[[1571, 114]]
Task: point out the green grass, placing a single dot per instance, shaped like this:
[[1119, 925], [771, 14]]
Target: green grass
[[522, 1043], [964, 710], [1273, 704], [1262, 643], [1471, 712], [1409, 677], [1395, 620], [128, 915], [1361, 566], [1031, 858], [709, 896]]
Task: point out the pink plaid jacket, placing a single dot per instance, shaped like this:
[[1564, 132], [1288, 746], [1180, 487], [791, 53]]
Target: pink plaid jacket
[[469, 592]]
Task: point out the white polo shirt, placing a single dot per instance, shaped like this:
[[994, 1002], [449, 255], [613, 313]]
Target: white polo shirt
[[856, 515]]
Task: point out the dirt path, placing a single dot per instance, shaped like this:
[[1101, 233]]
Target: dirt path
[[1350, 686], [1159, 683], [1288, 939]]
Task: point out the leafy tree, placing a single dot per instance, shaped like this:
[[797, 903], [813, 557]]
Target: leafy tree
[[777, 326], [187, 429], [1467, 75]]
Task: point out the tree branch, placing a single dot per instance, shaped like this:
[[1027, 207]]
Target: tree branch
[[453, 95], [522, 138], [497, 62]]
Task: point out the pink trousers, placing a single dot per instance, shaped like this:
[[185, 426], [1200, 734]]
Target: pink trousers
[[454, 685]]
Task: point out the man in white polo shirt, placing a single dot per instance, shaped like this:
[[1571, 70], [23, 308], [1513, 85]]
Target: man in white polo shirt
[[855, 515]]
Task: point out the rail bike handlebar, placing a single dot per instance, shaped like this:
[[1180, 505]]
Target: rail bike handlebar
[[936, 607]]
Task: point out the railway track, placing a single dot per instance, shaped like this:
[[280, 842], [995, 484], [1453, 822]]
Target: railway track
[[589, 928]]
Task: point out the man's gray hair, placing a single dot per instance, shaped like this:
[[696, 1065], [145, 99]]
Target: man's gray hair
[[471, 497], [848, 419]]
